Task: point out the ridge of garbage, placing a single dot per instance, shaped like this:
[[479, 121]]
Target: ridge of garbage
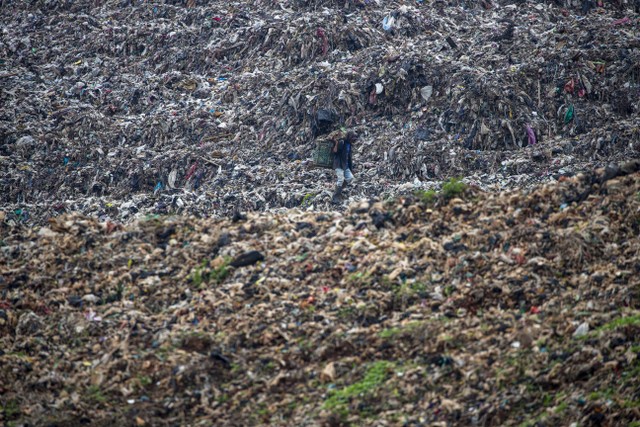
[[122, 108]]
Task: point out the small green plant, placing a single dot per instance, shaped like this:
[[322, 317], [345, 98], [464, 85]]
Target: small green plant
[[11, 409], [621, 322], [220, 273], [449, 290], [632, 374], [346, 311], [144, 380], [631, 404], [359, 278], [375, 376], [203, 273], [410, 328], [95, 394], [532, 422], [602, 394], [264, 412], [453, 187], [388, 333], [426, 196], [306, 200], [198, 275], [419, 287]]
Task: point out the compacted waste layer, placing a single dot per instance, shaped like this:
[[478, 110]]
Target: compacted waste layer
[[456, 308]]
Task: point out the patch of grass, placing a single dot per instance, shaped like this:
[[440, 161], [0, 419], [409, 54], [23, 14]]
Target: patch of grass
[[346, 311], [532, 422], [547, 399], [450, 189], [426, 196], [220, 273], [631, 374], [95, 395], [561, 407], [204, 274], [419, 288], [144, 380], [392, 332], [359, 278], [198, 275], [11, 409], [375, 376], [631, 404], [621, 322], [448, 290], [453, 187], [601, 394]]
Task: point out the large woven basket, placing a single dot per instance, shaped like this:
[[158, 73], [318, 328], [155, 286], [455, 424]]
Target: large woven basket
[[322, 155]]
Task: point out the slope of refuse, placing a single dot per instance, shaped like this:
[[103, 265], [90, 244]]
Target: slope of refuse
[[456, 308], [122, 108]]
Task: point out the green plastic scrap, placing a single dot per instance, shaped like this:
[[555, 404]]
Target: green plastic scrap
[[568, 116]]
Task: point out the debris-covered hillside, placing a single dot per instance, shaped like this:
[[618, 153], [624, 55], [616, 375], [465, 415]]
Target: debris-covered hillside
[[122, 108], [456, 308]]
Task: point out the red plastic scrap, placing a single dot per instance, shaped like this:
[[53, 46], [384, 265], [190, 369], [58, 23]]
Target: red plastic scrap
[[110, 227], [325, 42], [191, 171], [622, 21], [569, 86]]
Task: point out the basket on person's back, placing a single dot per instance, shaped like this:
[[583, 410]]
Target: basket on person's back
[[323, 152]]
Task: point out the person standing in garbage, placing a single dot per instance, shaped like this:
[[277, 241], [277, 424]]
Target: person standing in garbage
[[343, 163]]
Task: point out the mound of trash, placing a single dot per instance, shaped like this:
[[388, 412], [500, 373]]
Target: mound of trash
[[118, 109], [456, 307]]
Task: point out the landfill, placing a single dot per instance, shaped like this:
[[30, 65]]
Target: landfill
[[118, 109], [459, 308], [170, 254]]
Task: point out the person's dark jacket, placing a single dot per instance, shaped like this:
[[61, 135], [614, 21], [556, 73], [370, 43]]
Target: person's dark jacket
[[342, 156]]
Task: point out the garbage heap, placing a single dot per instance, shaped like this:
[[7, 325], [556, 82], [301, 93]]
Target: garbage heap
[[122, 108], [457, 308]]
